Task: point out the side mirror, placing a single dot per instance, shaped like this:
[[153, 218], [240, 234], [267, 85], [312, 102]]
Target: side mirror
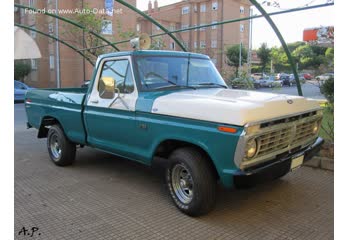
[[106, 87]]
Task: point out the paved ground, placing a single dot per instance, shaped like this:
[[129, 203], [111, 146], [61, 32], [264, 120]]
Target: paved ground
[[310, 89], [105, 197]]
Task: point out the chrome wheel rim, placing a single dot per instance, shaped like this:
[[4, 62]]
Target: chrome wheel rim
[[55, 147], [182, 183]]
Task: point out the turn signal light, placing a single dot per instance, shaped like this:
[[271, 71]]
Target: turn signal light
[[227, 129]]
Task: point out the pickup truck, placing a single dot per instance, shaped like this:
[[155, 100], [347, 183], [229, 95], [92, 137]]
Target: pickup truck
[[175, 108]]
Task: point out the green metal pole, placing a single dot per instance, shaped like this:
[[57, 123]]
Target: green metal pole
[[152, 20], [57, 39], [68, 21], [284, 45]]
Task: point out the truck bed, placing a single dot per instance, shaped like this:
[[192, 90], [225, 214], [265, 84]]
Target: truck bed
[[65, 105]]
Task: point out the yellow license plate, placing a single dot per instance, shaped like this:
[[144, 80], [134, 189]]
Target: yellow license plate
[[296, 162]]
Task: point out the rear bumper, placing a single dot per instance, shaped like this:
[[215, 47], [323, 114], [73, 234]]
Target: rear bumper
[[275, 168]]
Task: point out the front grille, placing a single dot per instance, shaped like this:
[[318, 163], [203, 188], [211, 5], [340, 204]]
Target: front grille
[[273, 141], [303, 132], [289, 137]]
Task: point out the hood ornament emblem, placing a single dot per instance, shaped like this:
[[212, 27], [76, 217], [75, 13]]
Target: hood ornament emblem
[[290, 101]]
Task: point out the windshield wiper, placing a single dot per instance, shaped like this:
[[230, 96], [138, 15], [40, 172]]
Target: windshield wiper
[[212, 84]]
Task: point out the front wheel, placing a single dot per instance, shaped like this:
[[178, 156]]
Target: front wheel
[[61, 150], [191, 181]]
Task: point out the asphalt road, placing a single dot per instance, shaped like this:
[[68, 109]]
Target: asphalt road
[[310, 89], [105, 197]]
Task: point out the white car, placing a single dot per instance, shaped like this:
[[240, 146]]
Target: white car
[[324, 76]]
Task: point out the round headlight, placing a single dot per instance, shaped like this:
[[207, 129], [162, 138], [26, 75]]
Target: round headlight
[[251, 148], [315, 128]]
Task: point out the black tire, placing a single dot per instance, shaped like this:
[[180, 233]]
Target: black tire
[[61, 150], [202, 178]]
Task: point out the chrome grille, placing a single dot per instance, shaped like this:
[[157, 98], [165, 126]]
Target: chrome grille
[[294, 135], [274, 140], [303, 132]]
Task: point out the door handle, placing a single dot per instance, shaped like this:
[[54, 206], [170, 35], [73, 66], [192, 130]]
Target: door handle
[[94, 101]]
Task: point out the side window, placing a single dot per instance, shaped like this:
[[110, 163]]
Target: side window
[[120, 71]]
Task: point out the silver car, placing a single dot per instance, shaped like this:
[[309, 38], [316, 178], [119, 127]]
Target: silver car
[[270, 82]]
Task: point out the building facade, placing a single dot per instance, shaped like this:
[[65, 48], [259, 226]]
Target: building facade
[[213, 40], [60, 66], [71, 69]]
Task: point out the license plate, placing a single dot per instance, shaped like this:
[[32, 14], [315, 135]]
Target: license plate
[[296, 162]]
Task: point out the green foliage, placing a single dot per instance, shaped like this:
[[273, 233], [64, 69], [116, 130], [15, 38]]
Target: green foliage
[[327, 126], [307, 57], [21, 70], [330, 56], [327, 89], [242, 82], [232, 55], [295, 45], [264, 55]]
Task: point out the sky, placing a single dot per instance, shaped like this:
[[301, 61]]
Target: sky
[[291, 25]]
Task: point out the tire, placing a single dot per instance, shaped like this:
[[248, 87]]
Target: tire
[[270, 86], [61, 150], [191, 169]]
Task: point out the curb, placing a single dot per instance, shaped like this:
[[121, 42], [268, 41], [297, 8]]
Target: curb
[[321, 162]]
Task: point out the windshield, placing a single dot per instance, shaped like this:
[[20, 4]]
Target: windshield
[[177, 72]]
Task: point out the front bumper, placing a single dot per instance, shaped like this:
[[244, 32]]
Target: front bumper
[[275, 168]]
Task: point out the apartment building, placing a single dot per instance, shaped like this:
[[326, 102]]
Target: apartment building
[[60, 66], [71, 69], [213, 40]]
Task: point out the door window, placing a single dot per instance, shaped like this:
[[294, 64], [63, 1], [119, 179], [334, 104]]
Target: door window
[[120, 71]]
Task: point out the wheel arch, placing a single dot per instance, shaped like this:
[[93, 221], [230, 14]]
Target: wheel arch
[[167, 146], [45, 122]]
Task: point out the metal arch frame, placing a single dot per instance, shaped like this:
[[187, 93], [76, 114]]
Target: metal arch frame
[[222, 23], [152, 20], [170, 33], [284, 44], [68, 21], [57, 39]]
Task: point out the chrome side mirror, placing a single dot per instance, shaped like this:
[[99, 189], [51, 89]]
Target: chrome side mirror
[[106, 87]]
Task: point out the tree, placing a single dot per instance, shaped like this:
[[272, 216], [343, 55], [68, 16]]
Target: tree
[[21, 70], [264, 53], [279, 59], [330, 56], [232, 55], [96, 23]]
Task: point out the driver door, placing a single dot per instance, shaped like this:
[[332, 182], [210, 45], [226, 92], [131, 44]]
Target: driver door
[[110, 122]]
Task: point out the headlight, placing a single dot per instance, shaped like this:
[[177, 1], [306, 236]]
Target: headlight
[[316, 127], [251, 148]]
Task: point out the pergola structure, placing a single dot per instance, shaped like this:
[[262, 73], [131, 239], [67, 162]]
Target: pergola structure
[[264, 14]]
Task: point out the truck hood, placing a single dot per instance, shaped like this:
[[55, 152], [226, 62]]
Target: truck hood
[[227, 106]]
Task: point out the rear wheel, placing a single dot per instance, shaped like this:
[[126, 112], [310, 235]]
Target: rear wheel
[[61, 150], [191, 181]]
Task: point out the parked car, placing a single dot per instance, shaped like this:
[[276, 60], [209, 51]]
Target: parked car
[[20, 90], [270, 82], [181, 115], [281, 76], [258, 76], [307, 76], [324, 77], [239, 83]]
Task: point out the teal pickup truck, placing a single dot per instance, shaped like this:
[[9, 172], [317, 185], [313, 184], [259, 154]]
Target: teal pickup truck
[[175, 108]]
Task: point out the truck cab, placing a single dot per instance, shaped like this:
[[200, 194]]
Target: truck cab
[[175, 108]]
